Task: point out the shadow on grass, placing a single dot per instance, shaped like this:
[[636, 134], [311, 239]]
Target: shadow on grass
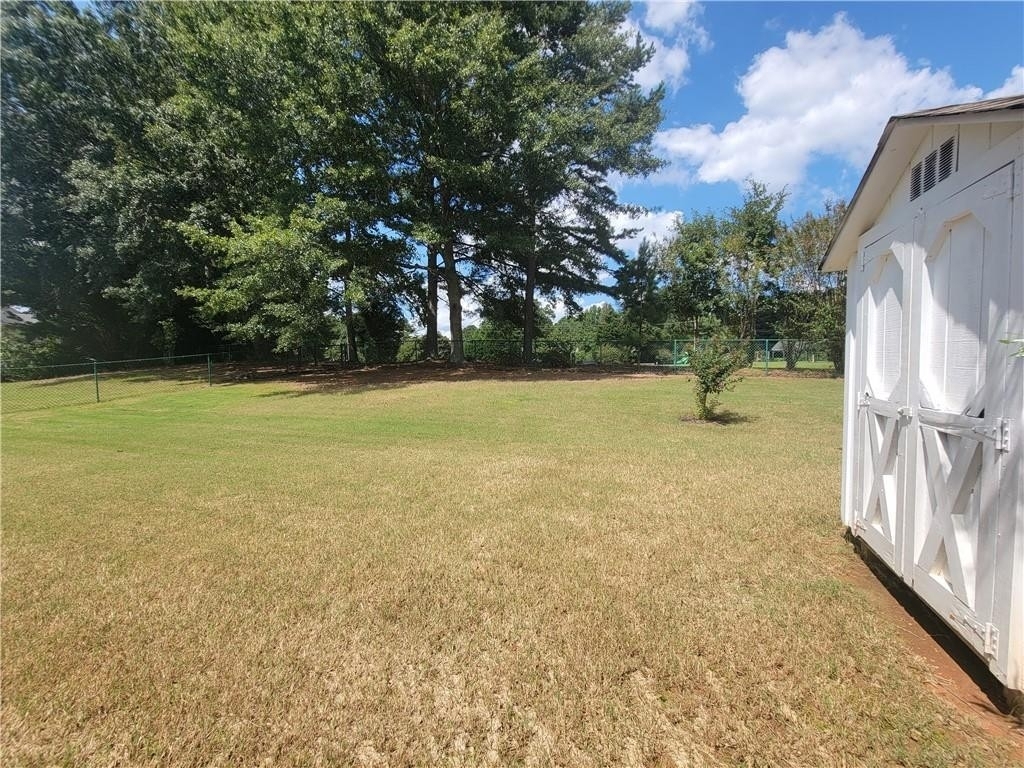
[[351, 381], [721, 418], [958, 651]]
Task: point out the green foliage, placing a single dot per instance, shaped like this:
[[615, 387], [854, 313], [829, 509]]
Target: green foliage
[[696, 282], [814, 302], [638, 283], [600, 322], [274, 288], [714, 364], [495, 342], [22, 357], [1019, 343], [750, 239], [413, 348], [723, 268], [381, 327], [178, 175]]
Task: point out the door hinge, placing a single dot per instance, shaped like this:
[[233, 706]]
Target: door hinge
[[987, 633], [998, 432]]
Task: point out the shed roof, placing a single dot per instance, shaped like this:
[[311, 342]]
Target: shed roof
[[17, 316], [895, 149]]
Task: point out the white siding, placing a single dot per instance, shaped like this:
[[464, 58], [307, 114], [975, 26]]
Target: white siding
[[936, 283], [975, 141]]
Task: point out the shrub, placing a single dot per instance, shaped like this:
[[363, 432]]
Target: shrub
[[714, 363], [22, 358], [553, 355]]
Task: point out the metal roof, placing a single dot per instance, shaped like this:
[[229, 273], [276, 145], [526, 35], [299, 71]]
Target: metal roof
[[971, 108], [17, 316]]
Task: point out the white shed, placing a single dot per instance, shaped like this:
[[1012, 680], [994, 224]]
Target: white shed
[[933, 250]]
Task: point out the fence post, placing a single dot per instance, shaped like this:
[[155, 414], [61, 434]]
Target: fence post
[[766, 353], [209, 369], [96, 378]]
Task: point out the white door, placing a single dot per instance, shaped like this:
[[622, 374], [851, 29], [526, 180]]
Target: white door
[[882, 399], [960, 428]]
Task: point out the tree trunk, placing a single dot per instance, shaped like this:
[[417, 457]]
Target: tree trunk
[[529, 308], [431, 309], [350, 332], [454, 286]]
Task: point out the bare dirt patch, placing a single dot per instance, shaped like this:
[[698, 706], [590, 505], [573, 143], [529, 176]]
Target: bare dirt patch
[[961, 679]]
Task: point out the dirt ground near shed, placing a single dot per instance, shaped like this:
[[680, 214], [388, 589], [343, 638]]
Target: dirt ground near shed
[[961, 679]]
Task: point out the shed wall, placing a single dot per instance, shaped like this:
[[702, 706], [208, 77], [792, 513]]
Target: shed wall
[[927, 482]]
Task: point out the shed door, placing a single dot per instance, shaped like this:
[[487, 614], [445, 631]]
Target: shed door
[[960, 422], [882, 406]]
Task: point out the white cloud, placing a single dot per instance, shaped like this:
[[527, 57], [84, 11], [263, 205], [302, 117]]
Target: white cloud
[[823, 94], [672, 28], [671, 15], [653, 226], [668, 64], [1014, 85], [666, 16]]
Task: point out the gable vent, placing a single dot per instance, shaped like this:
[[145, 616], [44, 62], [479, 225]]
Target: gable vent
[[946, 159], [915, 182], [937, 166]]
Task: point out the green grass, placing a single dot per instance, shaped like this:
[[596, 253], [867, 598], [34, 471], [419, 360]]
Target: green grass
[[477, 571], [75, 387]]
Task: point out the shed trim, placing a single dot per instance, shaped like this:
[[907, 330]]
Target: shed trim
[[896, 145]]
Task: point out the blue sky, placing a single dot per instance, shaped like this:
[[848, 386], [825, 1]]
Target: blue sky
[[797, 93]]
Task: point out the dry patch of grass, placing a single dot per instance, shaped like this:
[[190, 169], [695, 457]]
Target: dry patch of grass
[[448, 573]]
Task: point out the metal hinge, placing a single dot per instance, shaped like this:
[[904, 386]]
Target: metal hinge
[[988, 633], [858, 526], [999, 432]]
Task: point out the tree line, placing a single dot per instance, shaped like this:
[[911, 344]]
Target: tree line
[[293, 175], [741, 274], [181, 172]]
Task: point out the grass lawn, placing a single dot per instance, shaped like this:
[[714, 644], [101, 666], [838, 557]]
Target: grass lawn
[[486, 570]]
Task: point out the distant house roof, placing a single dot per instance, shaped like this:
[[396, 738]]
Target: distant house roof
[[901, 137], [17, 316]]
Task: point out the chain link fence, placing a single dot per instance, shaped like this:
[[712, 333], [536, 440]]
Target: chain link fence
[[767, 354], [31, 387]]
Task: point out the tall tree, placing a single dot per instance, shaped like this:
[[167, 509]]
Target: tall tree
[[447, 72], [695, 267], [581, 117], [74, 83], [156, 151], [814, 301], [638, 288], [324, 189], [751, 248]]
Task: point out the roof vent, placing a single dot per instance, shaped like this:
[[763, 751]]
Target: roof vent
[[937, 166], [946, 159], [915, 182]]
